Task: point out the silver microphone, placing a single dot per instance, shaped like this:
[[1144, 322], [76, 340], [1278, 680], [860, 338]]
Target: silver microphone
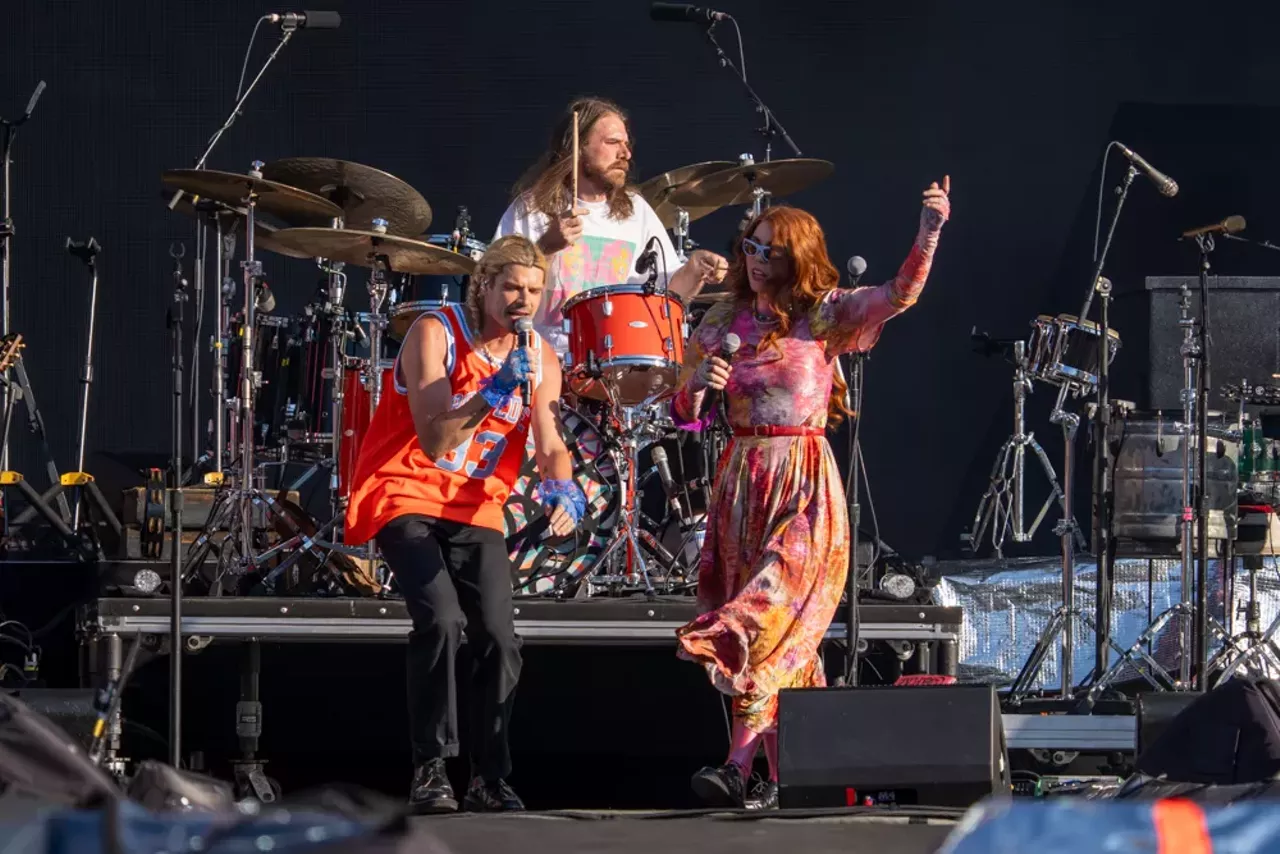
[[728, 347], [857, 266], [524, 338], [663, 465]]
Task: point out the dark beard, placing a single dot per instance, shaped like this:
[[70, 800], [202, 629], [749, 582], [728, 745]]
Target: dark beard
[[607, 178]]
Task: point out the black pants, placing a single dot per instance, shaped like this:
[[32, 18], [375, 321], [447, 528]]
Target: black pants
[[456, 578]]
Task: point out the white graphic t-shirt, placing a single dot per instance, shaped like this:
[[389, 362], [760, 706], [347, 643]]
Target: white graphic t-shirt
[[604, 255]]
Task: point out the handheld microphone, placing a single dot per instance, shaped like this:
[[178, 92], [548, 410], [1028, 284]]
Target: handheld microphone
[[1230, 225], [857, 266], [1166, 185], [728, 347], [663, 465], [524, 337], [648, 259], [683, 12], [307, 20]]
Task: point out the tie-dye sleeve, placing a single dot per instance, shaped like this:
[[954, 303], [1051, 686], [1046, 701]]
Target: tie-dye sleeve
[[687, 403], [851, 320]]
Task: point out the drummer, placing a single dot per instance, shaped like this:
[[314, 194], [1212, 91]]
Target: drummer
[[597, 240]]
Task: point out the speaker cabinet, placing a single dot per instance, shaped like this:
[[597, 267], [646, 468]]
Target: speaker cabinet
[[928, 745]]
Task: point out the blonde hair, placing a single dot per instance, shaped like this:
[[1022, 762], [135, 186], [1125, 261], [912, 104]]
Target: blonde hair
[[507, 250], [545, 187]]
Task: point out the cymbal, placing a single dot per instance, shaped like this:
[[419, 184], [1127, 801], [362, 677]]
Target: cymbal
[[733, 186], [233, 219], [709, 299], [362, 248], [230, 188], [656, 190], [363, 193]]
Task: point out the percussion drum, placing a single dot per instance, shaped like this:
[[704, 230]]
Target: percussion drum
[[424, 293], [357, 413], [556, 565], [1065, 351], [626, 343]]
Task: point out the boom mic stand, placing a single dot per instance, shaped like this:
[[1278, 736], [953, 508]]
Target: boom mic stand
[[6, 236], [1205, 244], [1102, 486]]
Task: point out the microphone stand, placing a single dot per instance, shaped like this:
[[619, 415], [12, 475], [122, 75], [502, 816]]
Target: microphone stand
[[6, 238], [288, 28], [175, 514], [853, 611], [772, 127], [1102, 487], [1205, 243]]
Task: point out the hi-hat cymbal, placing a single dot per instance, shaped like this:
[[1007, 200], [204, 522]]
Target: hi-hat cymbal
[[363, 193], [734, 186], [230, 188], [363, 248], [657, 189], [233, 219]]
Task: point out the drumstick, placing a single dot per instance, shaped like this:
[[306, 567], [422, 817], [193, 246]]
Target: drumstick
[[574, 202]]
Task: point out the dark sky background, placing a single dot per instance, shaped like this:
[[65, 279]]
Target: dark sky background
[[1014, 100]]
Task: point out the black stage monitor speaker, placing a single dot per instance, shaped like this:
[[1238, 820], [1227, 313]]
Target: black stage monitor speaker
[[937, 746]]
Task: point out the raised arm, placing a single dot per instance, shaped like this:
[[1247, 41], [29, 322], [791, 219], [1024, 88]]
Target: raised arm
[[851, 320], [440, 426]]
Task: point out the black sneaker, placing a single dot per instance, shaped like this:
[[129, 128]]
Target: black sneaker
[[721, 787], [764, 796], [496, 796], [431, 791]]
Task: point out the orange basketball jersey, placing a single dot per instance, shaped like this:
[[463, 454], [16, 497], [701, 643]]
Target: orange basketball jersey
[[394, 477]]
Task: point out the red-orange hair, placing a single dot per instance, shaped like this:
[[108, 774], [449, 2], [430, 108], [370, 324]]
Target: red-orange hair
[[798, 234]]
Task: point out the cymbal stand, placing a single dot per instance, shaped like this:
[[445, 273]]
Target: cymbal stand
[[681, 230], [337, 354], [1002, 505], [1063, 619], [379, 280]]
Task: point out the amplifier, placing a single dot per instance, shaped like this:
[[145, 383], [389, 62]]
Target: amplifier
[[939, 745], [1244, 330]]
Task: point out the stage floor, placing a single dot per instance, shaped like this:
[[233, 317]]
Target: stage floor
[[844, 831]]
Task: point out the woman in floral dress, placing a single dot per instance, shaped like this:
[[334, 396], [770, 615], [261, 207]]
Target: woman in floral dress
[[776, 556]]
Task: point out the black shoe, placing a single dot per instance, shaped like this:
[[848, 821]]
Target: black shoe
[[431, 791], [764, 796], [497, 796], [721, 787]]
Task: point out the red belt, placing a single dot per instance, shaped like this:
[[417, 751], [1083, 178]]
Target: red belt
[[777, 430]]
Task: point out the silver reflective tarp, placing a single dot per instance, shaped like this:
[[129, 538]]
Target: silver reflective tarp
[[1008, 603]]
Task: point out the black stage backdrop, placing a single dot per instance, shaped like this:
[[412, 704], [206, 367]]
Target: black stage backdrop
[[1014, 100]]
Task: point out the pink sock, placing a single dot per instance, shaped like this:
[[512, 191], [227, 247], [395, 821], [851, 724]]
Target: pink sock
[[771, 753], [743, 744]]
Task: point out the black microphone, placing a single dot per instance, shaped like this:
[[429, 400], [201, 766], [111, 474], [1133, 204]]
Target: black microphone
[[648, 258], [307, 20], [1166, 185], [1230, 225], [857, 266], [728, 347], [683, 12], [663, 465], [524, 336]]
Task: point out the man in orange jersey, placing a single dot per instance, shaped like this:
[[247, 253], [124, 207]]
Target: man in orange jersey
[[444, 448]]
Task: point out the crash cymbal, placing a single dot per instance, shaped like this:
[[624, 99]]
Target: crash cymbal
[[733, 186], [233, 219], [353, 246], [363, 193], [230, 188], [656, 188]]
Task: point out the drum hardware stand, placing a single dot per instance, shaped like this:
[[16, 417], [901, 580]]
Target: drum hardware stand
[[853, 607], [683, 243], [1002, 504], [1245, 650], [1062, 620], [176, 496], [6, 241]]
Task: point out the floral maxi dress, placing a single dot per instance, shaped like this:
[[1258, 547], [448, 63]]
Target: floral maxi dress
[[775, 560]]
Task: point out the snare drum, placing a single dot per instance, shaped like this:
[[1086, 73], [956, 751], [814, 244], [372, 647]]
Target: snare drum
[[626, 343], [1065, 351], [357, 413]]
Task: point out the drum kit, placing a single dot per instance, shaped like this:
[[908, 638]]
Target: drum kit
[[302, 388]]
